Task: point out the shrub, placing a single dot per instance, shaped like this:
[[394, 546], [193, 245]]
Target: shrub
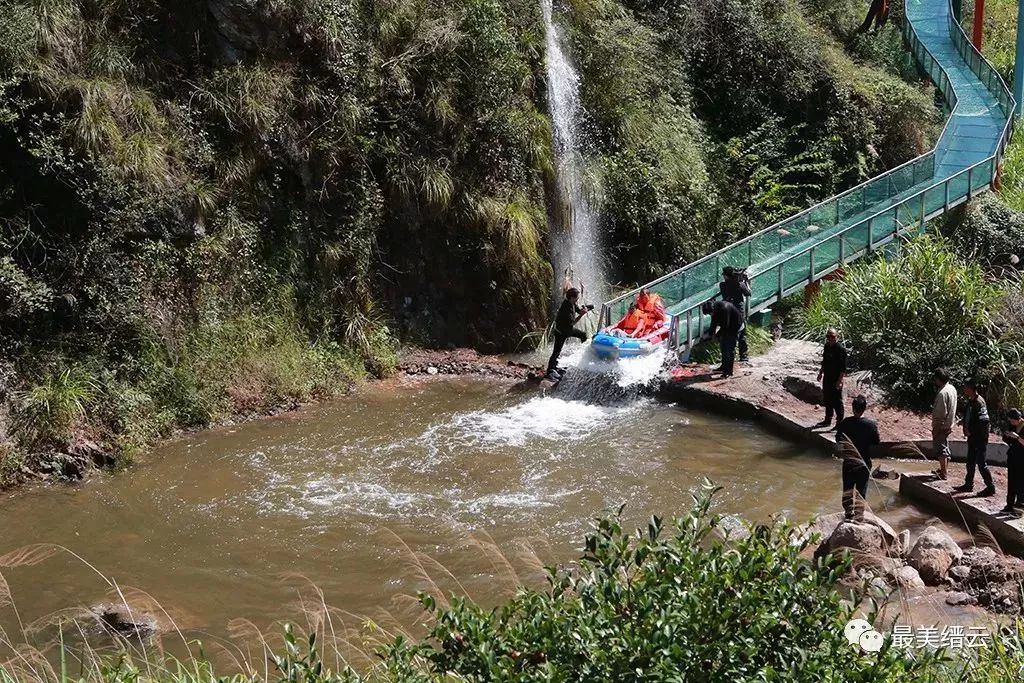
[[904, 316], [988, 230]]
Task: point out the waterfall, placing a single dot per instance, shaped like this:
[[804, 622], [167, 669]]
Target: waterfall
[[576, 238]]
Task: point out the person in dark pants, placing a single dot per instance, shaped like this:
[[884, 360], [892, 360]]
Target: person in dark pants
[[726, 321], [878, 13], [862, 433], [569, 313], [1014, 463], [976, 427], [735, 288], [831, 376]]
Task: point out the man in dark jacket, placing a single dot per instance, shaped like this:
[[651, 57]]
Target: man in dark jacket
[[831, 375], [1014, 463], [726, 321], [862, 433], [735, 288], [569, 313], [976, 427]]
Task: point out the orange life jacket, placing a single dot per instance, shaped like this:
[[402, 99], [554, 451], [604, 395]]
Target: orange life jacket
[[652, 306], [632, 321]]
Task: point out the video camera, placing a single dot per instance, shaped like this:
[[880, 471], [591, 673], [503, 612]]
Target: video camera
[[733, 272]]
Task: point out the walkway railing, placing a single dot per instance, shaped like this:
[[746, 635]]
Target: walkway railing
[[800, 250]]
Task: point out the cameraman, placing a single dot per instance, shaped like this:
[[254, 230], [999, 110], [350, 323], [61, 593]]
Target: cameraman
[[735, 288], [1014, 463], [569, 313]]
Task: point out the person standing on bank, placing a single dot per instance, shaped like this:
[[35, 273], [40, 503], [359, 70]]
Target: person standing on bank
[[569, 313], [735, 288], [726, 321], [1014, 463], [863, 434], [976, 427], [832, 375], [943, 417]]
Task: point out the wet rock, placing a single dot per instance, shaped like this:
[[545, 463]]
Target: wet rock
[[885, 472], [959, 573], [906, 577], [858, 536], [959, 598], [432, 370], [120, 621], [931, 563]]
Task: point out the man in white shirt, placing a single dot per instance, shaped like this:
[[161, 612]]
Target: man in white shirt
[[943, 417]]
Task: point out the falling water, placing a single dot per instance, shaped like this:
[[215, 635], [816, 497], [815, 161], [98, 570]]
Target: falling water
[[575, 226]]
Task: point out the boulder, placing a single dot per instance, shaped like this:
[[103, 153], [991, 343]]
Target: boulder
[[906, 577], [826, 526], [959, 572], [858, 536], [936, 538], [931, 563], [960, 598]]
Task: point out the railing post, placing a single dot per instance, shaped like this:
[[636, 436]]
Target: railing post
[[871, 234], [842, 249], [689, 322], [970, 182], [782, 282], [750, 252], [810, 259], [945, 201]]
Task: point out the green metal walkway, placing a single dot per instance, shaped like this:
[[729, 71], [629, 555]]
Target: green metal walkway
[[790, 255]]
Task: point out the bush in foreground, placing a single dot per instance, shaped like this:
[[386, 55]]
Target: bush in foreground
[[672, 602]]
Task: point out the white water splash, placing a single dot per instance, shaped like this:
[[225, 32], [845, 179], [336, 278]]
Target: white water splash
[[577, 240]]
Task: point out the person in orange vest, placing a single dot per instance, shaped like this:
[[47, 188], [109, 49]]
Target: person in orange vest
[[652, 307], [634, 323]]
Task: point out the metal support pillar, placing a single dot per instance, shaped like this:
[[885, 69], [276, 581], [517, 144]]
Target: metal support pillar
[[1018, 70]]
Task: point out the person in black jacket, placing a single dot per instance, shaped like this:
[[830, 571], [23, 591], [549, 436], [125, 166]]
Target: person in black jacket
[[1014, 463], [976, 428], [726, 322], [569, 313], [863, 434], [735, 288], [831, 375]]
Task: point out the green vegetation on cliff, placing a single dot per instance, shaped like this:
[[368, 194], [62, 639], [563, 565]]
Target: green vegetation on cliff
[[217, 207]]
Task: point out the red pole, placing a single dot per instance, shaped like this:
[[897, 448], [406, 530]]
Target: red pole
[[979, 22]]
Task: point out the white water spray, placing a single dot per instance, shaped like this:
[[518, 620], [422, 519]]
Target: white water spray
[[577, 241]]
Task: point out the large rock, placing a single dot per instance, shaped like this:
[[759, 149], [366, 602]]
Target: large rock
[[933, 554], [932, 564], [808, 392], [858, 536], [906, 577], [826, 526], [937, 538]]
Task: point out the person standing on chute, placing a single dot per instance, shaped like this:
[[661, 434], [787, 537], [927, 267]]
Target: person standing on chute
[[877, 13]]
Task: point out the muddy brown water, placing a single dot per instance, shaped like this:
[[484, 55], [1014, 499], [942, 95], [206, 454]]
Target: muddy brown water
[[218, 525]]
